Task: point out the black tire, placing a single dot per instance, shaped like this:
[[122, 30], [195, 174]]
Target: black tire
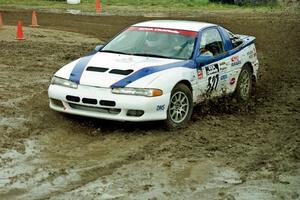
[[244, 85], [178, 114]]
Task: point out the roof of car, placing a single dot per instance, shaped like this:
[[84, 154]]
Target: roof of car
[[176, 24]]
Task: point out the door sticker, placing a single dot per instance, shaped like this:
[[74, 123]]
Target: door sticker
[[200, 74], [235, 60], [212, 69]]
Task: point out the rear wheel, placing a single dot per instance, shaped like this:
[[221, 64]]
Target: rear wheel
[[244, 84], [180, 107]]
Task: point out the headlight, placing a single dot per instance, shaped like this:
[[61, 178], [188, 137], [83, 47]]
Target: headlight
[[138, 91], [63, 82]]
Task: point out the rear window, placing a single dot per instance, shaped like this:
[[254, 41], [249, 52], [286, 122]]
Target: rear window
[[235, 39]]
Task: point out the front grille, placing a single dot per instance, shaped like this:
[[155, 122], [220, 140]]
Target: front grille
[[89, 101], [72, 98], [107, 103], [135, 113], [112, 111]]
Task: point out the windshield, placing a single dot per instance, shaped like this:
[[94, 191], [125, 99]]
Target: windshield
[[154, 42]]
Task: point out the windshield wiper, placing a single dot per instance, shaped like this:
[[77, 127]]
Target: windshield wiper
[[118, 52], [136, 54], [150, 55]]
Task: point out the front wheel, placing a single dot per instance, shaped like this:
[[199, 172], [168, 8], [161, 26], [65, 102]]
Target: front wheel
[[180, 107], [244, 85]]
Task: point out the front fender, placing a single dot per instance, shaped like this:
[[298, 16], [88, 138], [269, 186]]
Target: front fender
[[167, 79]]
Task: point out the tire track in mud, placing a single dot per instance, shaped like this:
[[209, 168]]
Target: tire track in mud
[[260, 142], [25, 76], [81, 176], [95, 173]]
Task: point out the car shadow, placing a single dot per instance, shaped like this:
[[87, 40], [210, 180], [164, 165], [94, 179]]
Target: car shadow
[[108, 126]]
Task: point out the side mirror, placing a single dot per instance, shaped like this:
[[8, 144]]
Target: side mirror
[[203, 60], [99, 47]]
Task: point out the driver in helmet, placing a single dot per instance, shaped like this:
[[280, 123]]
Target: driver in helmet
[[204, 41], [156, 42]]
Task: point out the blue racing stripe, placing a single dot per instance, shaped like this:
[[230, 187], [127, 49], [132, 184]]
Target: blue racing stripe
[[79, 68], [150, 70]]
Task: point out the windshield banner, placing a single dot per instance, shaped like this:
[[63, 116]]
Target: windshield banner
[[164, 30]]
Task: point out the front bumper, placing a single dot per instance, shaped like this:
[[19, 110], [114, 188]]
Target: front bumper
[[85, 101]]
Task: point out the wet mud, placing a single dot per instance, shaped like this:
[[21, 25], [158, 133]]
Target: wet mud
[[228, 151]]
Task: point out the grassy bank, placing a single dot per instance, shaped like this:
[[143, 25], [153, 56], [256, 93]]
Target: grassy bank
[[153, 5]]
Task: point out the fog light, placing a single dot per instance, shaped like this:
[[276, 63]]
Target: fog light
[[135, 113], [114, 111], [57, 102]]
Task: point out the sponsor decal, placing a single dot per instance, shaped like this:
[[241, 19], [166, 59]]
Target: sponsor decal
[[160, 108], [234, 73], [252, 53], [222, 63], [232, 81], [212, 69], [223, 66], [164, 30], [223, 77], [200, 74], [235, 60]]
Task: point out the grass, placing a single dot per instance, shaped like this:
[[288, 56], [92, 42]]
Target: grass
[[153, 5]]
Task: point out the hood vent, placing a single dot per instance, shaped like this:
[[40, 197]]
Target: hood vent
[[96, 69], [113, 71], [121, 72]]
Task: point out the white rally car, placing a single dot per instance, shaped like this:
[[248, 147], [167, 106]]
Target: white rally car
[[156, 70]]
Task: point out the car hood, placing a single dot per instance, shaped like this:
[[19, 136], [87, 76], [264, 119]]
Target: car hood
[[105, 69]]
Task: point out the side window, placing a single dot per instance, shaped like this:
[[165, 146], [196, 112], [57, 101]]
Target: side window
[[211, 42], [235, 40]]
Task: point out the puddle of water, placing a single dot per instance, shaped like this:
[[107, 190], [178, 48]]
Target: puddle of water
[[14, 164], [12, 122], [29, 175], [152, 179], [266, 189], [48, 185], [22, 178], [94, 190]]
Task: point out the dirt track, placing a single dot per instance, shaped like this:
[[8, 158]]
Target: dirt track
[[227, 152]]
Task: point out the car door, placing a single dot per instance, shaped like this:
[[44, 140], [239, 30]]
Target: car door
[[215, 72]]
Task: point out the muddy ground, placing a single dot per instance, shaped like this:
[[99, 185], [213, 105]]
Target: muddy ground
[[227, 152]]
